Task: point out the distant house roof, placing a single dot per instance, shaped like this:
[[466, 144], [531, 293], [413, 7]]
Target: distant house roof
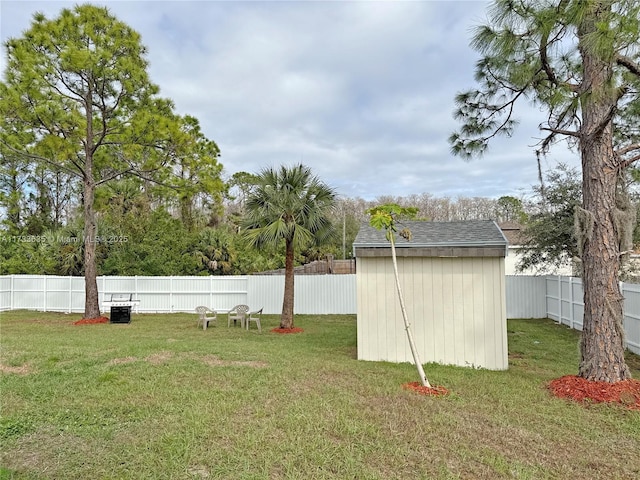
[[513, 232], [473, 238]]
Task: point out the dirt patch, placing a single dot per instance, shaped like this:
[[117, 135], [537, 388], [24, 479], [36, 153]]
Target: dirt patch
[[579, 389], [287, 330], [21, 370], [91, 321], [198, 471]]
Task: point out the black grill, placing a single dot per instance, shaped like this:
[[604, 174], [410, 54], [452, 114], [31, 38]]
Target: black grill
[[120, 307]]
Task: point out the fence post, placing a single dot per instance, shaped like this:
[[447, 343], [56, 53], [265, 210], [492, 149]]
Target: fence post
[[12, 292], [171, 294], [44, 297], [559, 278], [624, 310], [70, 294], [571, 319]]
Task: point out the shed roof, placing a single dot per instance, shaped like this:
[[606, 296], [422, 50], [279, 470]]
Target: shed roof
[[474, 238]]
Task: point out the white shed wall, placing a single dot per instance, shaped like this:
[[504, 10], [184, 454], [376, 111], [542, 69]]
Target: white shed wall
[[456, 307]]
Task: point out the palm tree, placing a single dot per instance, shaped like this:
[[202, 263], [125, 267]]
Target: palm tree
[[290, 205], [215, 251]]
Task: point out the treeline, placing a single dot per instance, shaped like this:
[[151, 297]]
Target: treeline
[[145, 229], [99, 174]]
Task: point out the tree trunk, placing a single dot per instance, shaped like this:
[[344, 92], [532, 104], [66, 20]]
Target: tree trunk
[[91, 305], [286, 319], [602, 341], [13, 207]]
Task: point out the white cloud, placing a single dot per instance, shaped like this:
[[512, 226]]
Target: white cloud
[[362, 92]]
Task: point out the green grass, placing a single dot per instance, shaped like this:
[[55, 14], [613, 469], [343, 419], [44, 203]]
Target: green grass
[[161, 399]]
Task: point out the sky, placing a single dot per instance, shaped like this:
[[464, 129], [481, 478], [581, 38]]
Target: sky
[[362, 92]]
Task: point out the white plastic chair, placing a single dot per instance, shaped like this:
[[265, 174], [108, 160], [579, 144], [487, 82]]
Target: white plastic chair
[[206, 315], [254, 317], [239, 312]]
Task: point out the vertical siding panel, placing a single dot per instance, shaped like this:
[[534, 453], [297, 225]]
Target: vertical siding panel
[[498, 333], [501, 317], [467, 295], [387, 348], [490, 313], [414, 301], [438, 310], [426, 316], [407, 284], [448, 311], [488, 266], [388, 293], [483, 274], [478, 279], [395, 321], [458, 311], [361, 328], [381, 348], [405, 272], [370, 317]]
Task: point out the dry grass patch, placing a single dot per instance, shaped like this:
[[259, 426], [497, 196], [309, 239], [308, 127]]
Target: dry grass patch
[[207, 359], [24, 369], [159, 358], [122, 361], [215, 361], [44, 452]]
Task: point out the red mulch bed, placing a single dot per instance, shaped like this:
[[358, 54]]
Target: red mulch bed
[[287, 330], [91, 321], [626, 392], [434, 391]]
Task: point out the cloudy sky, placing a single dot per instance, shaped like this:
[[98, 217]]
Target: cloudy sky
[[361, 92]]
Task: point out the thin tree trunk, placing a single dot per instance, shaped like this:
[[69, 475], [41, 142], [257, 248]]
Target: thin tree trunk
[[602, 340], [286, 319], [91, 305], [13, 203], [412, 345]]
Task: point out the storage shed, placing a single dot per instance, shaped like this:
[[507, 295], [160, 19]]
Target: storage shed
[[453, 282]]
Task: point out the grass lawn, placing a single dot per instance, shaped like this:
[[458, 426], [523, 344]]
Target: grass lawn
[[161, 399]]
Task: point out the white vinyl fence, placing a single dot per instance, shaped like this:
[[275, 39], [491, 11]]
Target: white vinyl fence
[[560, 299], [315, 294], [555, 297], [565, 305]]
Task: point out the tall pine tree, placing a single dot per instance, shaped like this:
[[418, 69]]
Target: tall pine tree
[[580, 61]]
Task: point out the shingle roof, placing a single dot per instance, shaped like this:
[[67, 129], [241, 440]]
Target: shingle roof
[[470, 233], [513, 232]]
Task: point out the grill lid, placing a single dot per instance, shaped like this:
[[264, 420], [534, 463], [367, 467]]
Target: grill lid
[[121, 297]]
